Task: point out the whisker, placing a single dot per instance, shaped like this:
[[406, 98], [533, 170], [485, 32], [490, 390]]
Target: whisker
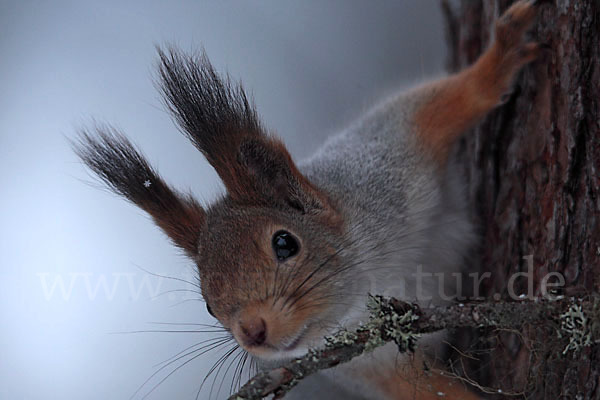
[[216, 365], [233, 360], [325, 278], [187, 324], [174, 291], [236, 383], [185, 301], [289, 278], [342, 247], [312, 274], [188, 348], [167, 277], [205, 349], [352, 265], [166, 331], [243, 355]]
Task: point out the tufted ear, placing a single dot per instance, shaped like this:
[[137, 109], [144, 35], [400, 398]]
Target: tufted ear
[[217, 117], [274, 176], [126, 172], [214, 114]]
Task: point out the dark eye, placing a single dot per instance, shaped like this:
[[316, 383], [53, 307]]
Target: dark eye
[[284, 245], [209, 310]]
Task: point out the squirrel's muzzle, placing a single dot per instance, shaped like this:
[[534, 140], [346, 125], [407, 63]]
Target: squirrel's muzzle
[[268, 329]]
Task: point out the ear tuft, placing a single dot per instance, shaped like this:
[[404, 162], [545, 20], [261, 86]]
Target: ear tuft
[[112, 157], [217, 117], [214, 113]]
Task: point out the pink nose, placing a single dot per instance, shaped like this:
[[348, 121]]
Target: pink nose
[[254, 331]]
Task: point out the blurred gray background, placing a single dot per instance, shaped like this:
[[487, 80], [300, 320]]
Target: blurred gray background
[[73, 259]]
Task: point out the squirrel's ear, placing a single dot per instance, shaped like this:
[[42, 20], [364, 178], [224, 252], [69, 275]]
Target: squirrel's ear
[[126, 172], [275, 178], [217, 117], [213, 113]]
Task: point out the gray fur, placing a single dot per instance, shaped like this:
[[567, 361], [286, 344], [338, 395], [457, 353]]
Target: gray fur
[[392, 194], [396, 203]]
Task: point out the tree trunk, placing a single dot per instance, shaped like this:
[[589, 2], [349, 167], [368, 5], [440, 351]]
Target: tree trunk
[[533, 169]]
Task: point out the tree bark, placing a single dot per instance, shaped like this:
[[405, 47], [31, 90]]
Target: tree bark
[[533, 171]]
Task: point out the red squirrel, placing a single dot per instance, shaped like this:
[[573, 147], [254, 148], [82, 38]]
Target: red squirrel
[[289, 254]]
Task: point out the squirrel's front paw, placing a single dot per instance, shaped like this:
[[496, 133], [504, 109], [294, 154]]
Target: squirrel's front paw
[[511, 30], [511, 47]]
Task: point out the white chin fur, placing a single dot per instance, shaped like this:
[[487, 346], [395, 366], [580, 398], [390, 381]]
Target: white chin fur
[[350, 320], [285, 354]]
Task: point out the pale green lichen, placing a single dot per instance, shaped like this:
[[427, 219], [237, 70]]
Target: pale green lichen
[[399, 329], [374, 339], [385, 319], [385, 324], [575, 326], [341, 338]]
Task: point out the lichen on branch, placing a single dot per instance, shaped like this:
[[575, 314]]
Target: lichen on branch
[[576, 321]]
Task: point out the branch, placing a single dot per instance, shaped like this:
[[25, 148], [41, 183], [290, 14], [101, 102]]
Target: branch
[[390, 320]]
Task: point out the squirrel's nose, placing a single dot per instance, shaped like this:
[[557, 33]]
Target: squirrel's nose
[[254, 331]]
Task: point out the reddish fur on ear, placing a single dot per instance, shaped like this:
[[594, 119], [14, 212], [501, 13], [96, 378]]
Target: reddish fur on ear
[[181, 218], [126, 172], [217, 117], [271, 177]]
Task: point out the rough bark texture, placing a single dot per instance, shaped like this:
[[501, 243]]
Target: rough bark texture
[[533, 169]]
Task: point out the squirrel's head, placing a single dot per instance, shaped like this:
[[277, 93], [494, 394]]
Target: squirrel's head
[[271, 252]]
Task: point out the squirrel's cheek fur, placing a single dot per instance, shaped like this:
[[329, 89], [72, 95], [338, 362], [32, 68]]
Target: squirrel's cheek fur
[[275, 308]]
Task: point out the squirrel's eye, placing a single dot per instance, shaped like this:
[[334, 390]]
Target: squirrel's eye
[[284, 245], [209, 310]]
